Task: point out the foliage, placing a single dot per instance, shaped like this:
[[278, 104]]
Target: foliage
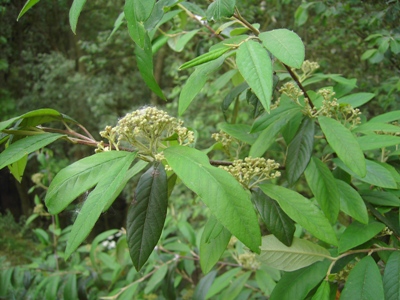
[[295, 151]]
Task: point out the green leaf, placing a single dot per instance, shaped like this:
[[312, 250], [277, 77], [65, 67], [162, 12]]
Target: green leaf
[[371, 127], [323, 291], [144, 59], [236, 287], [265, 282], [26, 7], [300, 254], [351, 202], [376, 174], [70, 288], [375, 141], [221, 282], [240, 132], [156, 278], [387, 117], [277, 222], [302, 211], [297, 284], [196, 82], [381, 198], [220, 9], [213, 243], [356, 100], [299, 150], [96, 201], [141, 9], [117, 24], [285, 45], [206, 57], [178, 42], [225, 197], [99, 238], [344, 144], [391, 277], [17, 168], [136, 12], [79, 177], [24, 146], [204, 286], [233, 94], [364, 282], [357, 234], [74, 13], [268, 136], [323, 185], [146, 215]]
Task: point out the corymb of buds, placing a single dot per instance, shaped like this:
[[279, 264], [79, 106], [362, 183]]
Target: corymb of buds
[[251, 171], [292, 91], [146, 130]]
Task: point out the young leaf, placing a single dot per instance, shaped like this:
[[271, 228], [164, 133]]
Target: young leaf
[[277, 222], [344, 144], [302, 211], [24, 146], [300, 150], [375, 141], [220, 9], [391, 277], [206, 57], [74, 13], [146, 215], [285, 45], [351, 202], [213, 243], [323, 291], [255, 65], [323, 185], [225, 197], [297, 284], [26, 7], [357, 99], [300, 254], [364, 282], [96, 201], [357, 234]]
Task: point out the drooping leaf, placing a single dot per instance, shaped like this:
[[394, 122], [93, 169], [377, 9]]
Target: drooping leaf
[[377, 141], [225, 197], [146, 215], [351, 202], [204, 58], [380, 198], [240, 132], [79, 177], [255, 65], [300, 254], [74, 13], [144, 59], [323, 185], [344, 144], [213, 243], [23, 147], [276, 220], [391, 277], [219, 9], [27, 6], [323, 291], [204, 285], [141, 9], [364, 282], [297, 284], [135, 28], [285, 45], [117, 24], [96, 201], [300, 150], [376, 174], [302, 211], [356, 100], [357, 234]]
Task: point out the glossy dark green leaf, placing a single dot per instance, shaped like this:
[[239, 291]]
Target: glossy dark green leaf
[[374, 141], [357, 234], [204, 285], [285, 45], [351, 202], [74, 13], [323, 185], [96, 201], [144, 59], [391, 277], [344, 144], [219, 190], [276, 220], [23, 147], [356, 100], [28, 4], [381, 198], [146, 215], [297, 284], [240, 132], [219, 9], [300, 150], [214, 240], [255, 65], [302, 211], [364, 282], [79, 177]]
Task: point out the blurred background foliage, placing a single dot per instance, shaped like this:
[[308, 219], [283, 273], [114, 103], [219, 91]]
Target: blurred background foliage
[[93, 78]]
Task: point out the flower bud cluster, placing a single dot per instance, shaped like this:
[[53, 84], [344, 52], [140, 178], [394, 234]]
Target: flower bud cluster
[[248, 260], [292, 91], [309, 67], [251, 171], [224, 138], [146, 130], [228, 143]]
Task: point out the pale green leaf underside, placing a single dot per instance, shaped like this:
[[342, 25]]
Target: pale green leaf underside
[[300, 254]]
